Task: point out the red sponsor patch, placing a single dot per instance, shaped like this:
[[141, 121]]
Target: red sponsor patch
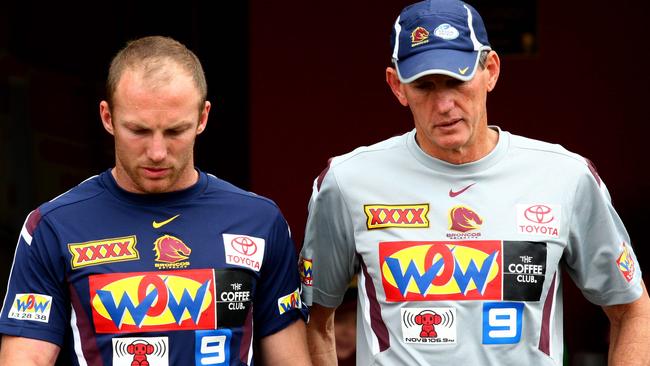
[[153, 301], [103, 251], [437, 270], [402, 216]]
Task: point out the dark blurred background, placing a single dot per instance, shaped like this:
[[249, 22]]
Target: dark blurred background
[[293, 83]]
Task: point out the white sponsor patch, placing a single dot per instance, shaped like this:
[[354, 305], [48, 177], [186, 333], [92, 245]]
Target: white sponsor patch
[[141, 351], [539, 219], [429, 325], [243, 250], [446, 31], [34, 307]]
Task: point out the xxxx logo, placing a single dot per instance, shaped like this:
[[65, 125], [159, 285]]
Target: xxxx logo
[[103, 251], [404, 216]]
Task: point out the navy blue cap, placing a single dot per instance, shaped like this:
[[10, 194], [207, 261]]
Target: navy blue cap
[[438, 37]]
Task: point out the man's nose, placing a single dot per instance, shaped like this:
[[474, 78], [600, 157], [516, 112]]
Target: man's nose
[[157, 150], [443, 101]]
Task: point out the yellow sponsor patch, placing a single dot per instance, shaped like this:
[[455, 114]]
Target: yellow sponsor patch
[[103, 251], [404, 216]]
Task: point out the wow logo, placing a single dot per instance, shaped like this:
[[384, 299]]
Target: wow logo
[[429, 271], [31, 307], [305, 267], [288, 302], [148, 301], [626, 263]]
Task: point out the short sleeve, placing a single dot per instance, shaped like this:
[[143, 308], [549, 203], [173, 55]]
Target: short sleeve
[[599, 255], [36, 304], [277, 302], [329, 247]]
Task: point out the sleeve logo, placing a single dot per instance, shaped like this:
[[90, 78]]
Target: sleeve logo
[[34, 307], [103, 251], [244, 251], [625, 262], [305, 269], [288, 302]]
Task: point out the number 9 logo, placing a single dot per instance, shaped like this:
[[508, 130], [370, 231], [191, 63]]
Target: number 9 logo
[[502, 322]]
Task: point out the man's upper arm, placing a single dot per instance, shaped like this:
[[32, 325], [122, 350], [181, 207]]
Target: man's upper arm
[[27, 352], [286, 347]]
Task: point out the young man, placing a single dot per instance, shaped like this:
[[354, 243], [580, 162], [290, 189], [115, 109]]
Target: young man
[[154, 262], [458, 231]]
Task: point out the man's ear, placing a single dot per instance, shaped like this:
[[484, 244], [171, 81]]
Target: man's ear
[[203, 118], [396, 85], [105, 115], [493, 65]]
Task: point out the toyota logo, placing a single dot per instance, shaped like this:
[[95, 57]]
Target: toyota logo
[[539, 214], [244, 245]]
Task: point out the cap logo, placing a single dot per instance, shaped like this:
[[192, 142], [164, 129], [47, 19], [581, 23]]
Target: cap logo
[[446, 32], [463, 71], [419, 36]]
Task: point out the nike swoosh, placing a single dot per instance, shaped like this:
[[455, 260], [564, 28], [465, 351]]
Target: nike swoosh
[[463, 71], [158, 225], [454, 194]]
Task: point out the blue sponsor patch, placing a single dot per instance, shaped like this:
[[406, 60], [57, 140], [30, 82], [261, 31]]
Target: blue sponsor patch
[[502, 322], [212, 347]]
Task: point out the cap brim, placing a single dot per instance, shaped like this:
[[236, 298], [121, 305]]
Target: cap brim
[[457, 64]]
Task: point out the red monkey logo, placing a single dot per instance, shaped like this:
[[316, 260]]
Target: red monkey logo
[[427, 319], [140, 349]]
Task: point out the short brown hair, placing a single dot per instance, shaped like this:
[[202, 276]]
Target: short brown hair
[[151, 54]]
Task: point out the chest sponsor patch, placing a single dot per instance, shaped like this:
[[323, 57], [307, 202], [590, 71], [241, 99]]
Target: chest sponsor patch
[[440, 270], [464, 223], [290, 301], [625, 262], [171, 253], [234, 296], [35, 307], [524, 270], [212, 347], [462, 270], [428, 325], [103, 251], [141, 351], [153, 301], [400, 216], [502, 322], [539, 219], [244, 251]]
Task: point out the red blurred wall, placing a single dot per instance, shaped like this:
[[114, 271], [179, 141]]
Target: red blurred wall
[[318, 90]]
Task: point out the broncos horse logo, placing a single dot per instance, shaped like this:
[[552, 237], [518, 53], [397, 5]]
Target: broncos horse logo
[[170, 249], [419, 35], [463, 219]]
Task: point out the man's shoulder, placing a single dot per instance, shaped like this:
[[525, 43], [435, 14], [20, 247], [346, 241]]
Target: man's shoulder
[[84, 191], [375, 149], [363, 157], [547, 151], [223, 190]]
